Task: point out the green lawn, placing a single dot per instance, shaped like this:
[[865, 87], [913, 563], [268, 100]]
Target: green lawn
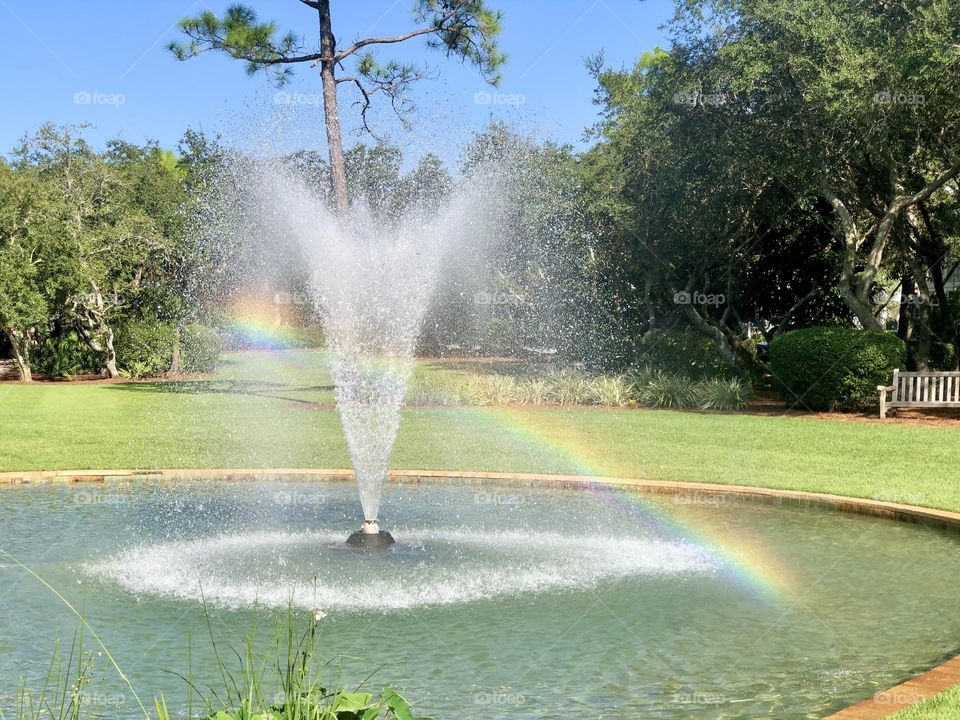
[[276, 410], [945, 706]]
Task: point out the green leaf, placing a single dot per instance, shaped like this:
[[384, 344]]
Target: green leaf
[[352, 702], [398, 706]]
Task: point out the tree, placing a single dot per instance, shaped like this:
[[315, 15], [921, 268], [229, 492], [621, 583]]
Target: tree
[[106, 238], [783, 155], [23, 308], [463, 29], [865, 113]]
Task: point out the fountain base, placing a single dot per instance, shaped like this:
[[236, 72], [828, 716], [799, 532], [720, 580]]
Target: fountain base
[[370, 537], [370, 541]]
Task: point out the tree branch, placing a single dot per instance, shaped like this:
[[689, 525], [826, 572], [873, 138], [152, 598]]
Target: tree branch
[[438, 25]]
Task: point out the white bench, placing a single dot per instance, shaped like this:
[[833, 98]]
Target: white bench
[[921, 390]]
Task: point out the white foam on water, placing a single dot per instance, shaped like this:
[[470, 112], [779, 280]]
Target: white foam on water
[[441, 567]]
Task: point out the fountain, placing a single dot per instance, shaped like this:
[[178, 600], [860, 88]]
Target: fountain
[[372, 282]]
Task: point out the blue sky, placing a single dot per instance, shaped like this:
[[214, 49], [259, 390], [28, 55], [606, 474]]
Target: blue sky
[[105, 62]]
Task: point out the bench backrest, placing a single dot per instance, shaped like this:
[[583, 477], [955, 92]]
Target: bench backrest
[[926, 387]]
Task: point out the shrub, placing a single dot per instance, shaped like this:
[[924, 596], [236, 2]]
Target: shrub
[[144, 347], [680, 352], [943, 356], [533, 391], [65, 357], [669, 391], [827, 368], [568, 388], [720, 394], [611, 390], [200, 348], [491, 390], [435, 389], [674, 391]]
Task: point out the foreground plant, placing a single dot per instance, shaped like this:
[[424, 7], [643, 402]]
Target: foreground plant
[[244, 691], [297, 691]]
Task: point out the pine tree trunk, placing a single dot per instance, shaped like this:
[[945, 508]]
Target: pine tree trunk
[[328, 47]]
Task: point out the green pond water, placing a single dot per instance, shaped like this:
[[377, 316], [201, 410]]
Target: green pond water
[[498, 601]]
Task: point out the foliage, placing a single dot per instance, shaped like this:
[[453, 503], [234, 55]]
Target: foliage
[[466, 30], [666, 391], [435, 388], [297, 691], [90, 236], [611, 390], [680, 352], [24, 308], [65, 357], [145, 347], [943, 357], [568, 388], [200, 348], [247, 693], [719, 394], [490, 390], [565, 387], [830, 368], [62, 694], [798, 160]]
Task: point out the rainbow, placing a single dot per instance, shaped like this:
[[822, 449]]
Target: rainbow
[[742, 556], [255, 322]]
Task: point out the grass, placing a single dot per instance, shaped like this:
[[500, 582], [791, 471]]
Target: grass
[[943, 706], [276, 410], [265, 410]]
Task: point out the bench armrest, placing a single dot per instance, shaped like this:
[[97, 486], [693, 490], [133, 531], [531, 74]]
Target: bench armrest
[[888, 388]]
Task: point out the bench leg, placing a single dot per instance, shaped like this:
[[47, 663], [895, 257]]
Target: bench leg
[[883, 404]]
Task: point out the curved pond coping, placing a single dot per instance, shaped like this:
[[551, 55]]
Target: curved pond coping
[[881, 705]]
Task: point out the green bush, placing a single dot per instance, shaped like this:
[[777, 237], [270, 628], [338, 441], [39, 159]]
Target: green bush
[[667, 391], [65, 357], [144, 347], [718, 394], [834, 368], [200, 348], [611, 390], [680, 352], [533, 391], [568, 388], [659, 390], [943, 356], [491, 390], [436, 388]]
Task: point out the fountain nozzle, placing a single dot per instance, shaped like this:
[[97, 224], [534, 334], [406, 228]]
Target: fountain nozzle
[[371, 527]]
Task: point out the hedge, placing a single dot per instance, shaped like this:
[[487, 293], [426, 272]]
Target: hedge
[[834, 368]]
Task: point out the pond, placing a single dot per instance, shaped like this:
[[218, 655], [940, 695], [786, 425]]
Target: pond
[[497, 600]]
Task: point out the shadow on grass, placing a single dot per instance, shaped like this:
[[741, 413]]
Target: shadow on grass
[[262, 389]]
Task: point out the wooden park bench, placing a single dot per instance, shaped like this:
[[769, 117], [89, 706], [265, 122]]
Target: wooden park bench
[[921, 390]]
